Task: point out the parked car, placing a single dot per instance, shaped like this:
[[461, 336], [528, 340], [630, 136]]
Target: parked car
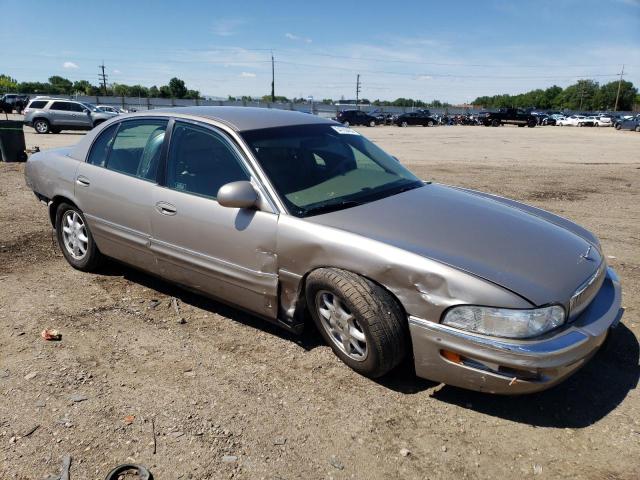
[[383, 118], [10, 102], [632, 123], [55, 114], [576, 121], [602, 120], [356, 117], [552, 119], [112, 109], [293, 216], [419, 117], [507, 116]]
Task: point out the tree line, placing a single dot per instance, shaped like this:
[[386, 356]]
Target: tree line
[[584, 95], [57, 85]]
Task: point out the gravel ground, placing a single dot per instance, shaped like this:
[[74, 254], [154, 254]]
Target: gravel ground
[[225, 395]]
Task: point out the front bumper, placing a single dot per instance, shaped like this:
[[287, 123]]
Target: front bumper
[[506, 366]]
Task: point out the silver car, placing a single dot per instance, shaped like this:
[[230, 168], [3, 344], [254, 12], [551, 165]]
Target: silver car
[[298, 218], [51, 115]]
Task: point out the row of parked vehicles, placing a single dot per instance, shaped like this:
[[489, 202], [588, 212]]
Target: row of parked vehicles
[[51, 115], [503, 116]]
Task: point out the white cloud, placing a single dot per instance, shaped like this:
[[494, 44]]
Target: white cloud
[[116, 71], [70, 65], [297, 38], [226, 27], [247, 74]]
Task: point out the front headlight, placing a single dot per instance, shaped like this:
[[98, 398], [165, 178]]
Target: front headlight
[[505, 322]]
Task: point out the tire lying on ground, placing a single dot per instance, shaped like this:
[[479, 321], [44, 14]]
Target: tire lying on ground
[[362, 322]]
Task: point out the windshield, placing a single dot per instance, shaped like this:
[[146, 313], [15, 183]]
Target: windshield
[[92, 107], [320, 168]]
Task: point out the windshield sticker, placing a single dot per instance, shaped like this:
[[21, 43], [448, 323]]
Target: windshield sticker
[[345, 130]]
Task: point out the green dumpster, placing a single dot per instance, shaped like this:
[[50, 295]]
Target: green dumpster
[[12, 146]]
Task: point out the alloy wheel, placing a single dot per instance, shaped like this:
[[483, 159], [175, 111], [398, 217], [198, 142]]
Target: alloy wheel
[[74, 235], [341, 325]]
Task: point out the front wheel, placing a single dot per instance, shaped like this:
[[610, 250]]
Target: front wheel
[[638, 128], [404, 124], [495, 123], [430, 123], [362, 322], [372, 123], [346, 124], [75, 239]]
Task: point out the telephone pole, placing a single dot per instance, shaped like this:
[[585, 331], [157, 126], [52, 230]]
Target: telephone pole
[[357, 90], [103, 78], [615, 109], [273, 80]]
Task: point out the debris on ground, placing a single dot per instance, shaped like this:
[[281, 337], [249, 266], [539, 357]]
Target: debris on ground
[[142, 472], [30, 376], [405, 452], [51, 334], [77, 398], [336, 463], [279, 440], [129, 419], [229, 458]]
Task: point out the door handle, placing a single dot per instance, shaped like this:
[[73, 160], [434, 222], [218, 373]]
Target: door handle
[[166, 208], [83, 181]]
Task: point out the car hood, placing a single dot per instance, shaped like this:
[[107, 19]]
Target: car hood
[[501, 242]]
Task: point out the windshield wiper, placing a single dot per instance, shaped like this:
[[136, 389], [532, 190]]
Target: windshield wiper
[[331, 207]]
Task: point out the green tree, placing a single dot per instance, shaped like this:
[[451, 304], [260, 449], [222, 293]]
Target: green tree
[[8, 84], [605, 98], [84, 87], [120, 90], [154, 92], [165, 91], [61, 85], [177, 87]]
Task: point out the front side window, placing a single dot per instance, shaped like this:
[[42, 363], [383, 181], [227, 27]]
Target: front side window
[[319, 168], [137, 148], [75, 107], [201, 161]]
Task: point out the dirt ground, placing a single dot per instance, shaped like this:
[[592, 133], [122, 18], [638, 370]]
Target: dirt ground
[[226, 395]]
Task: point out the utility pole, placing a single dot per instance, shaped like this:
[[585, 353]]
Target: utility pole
[[103, 77], [357, 90], [273, 80], [615, 109]]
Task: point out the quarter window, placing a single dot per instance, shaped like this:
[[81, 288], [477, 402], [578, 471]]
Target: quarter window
[[101, 147], [37, 104], [201, 161], [137, 147]]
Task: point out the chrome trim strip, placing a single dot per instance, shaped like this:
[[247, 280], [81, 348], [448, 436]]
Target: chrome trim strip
[[571, 339], [577, 303]]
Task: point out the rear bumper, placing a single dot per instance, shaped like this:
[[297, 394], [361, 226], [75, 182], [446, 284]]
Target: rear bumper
[[507, 366]]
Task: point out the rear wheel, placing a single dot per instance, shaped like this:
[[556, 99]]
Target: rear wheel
[[346, 124], [41, 126], [430, 123], [75, 239], [361, 321], [618, 126], [638, 128], [495, 123], [404, 124], [372, 123], [532, 123]]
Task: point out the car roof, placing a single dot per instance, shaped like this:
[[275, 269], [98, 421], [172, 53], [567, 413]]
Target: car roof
[[237, 118], [242, 118]]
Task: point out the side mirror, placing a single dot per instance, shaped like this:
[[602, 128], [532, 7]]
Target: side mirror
[[237, 195]]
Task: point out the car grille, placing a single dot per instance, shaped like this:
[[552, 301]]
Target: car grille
[[587, 291]]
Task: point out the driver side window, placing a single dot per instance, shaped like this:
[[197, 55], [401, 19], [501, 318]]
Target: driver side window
[[201, 161]]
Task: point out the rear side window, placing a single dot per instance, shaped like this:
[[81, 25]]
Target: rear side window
[[137, 148], [61, 106], [37, 104], [101, 147]]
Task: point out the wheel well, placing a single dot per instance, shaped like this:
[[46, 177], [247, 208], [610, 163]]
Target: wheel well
[[41, 118], [53, 207], [301, 313]]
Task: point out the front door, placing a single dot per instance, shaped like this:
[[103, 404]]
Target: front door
[[114, 189], [226, 252]]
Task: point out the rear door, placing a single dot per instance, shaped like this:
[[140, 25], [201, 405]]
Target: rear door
[[60, 114], [114, 188], [226, 252]]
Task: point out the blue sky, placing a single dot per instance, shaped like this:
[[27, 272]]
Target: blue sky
[[448, 50]]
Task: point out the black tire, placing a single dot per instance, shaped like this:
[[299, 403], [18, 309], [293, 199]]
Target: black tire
[[618, 126], [404, 124], [376, 311], [532, 124], [41, 125], [430, 123], [346, 124], [495, 123], [638, 128], [92, 258], [372, 123]]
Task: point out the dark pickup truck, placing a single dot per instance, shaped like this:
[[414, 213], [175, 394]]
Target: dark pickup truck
[[11, 102], [509, 116]]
